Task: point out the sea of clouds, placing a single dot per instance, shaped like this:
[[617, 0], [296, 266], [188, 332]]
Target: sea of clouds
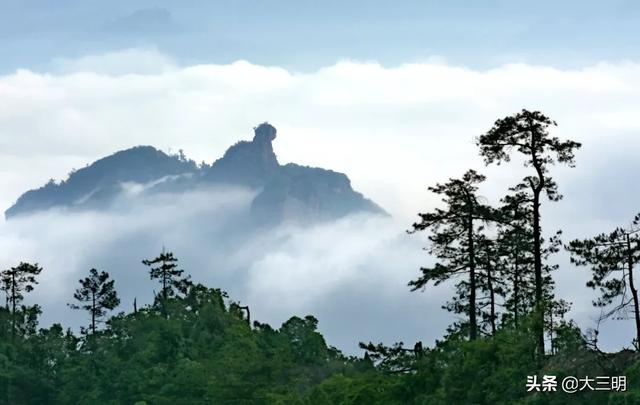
[[393, 129]]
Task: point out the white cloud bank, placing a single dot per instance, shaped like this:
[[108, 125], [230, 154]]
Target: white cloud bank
[[351, 273], [393, 130]]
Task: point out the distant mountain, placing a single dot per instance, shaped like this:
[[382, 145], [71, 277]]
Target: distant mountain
[[283, 192]]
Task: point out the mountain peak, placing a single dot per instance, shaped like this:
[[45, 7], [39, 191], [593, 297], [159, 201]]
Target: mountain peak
[[264, 133], [284, 192], [250, 163]]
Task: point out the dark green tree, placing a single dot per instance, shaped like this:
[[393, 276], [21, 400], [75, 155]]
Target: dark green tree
[[206, 353], [554, 318], [307, 344], [515, 249], [528, 133], [491, 284], [554, 308], [454, 233], [164, 269], [613, 257], [16, 281], [97, 296]]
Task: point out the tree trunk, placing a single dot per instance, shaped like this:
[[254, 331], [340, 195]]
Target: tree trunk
[[492, 302], [473, 323], [164, 287], [537, 264], [551, 329], [516, 287], [93, 313], [634, 291], [537, 244], [13, 303], [246, 308]]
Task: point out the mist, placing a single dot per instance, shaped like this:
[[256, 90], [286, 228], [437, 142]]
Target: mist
[[393, 130], [350, 273]]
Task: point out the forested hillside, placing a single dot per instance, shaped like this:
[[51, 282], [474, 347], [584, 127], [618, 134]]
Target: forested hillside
[[197, 346]]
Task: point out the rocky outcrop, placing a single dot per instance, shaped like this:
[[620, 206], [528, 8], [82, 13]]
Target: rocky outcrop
[[252, 163]]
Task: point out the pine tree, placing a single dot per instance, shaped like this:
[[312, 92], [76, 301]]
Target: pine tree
[[454, 233], [98, 295], [527, 132], [490, 285], [164, 268], [613, 258], [554, 318], [515, 250], [515, 244], [16, 281]]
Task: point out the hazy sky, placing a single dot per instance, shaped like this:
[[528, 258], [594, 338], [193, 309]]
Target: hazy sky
[[308, 34], [391, 93]]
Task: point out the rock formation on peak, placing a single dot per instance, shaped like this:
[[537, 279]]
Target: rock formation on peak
[[250, 163], [264, 132], [289, 192]]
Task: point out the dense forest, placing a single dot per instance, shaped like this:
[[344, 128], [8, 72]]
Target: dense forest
[[195, 345]]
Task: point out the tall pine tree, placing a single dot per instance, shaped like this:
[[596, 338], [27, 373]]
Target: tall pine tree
[[16, 281], [515, 250], [454, 235], [528, 133], [164, 269], [97, 295], [613, 257]]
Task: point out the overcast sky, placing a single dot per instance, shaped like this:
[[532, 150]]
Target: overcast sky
[[309, 34], [391, 93]]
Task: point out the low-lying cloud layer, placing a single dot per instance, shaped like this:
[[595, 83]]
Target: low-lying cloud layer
[[351, 273], [393, 130]]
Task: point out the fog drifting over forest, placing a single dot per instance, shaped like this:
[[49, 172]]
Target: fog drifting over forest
[[393, 130]]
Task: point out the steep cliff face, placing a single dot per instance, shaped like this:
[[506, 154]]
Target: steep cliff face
[[289, 192], [303, 193]]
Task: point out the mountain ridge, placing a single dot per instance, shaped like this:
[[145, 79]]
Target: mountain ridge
[[289, 191]]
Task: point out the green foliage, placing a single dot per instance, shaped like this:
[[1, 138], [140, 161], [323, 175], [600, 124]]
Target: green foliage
[[99, 295], [528, 133], [612, 257], [17, 280], [202, 351], [455, 242], [164, 269]]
